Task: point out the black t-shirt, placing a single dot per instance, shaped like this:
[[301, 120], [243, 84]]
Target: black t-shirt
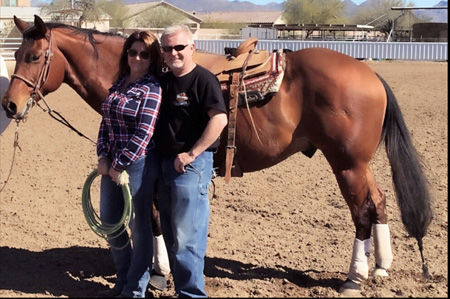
[[184, 110]]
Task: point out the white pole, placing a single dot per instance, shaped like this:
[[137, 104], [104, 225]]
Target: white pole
[[71, 13]]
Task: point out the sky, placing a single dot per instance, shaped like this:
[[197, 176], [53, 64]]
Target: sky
[[421, 3]]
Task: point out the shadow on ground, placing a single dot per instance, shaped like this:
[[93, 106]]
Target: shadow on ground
[[56, 272], [224, 268]]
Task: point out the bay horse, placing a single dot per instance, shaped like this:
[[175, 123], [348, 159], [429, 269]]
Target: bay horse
[[90, 81], [327, 101]]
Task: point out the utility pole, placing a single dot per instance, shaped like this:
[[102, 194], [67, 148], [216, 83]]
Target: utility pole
[[71, 13]]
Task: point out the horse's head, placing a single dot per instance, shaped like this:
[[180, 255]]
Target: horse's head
[[38, 71]]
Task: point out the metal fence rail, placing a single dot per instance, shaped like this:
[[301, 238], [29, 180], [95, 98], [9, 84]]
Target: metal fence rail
[[8, 46], [359, 50]]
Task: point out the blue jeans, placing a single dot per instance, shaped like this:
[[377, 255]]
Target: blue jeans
[[133, 260], [184, 210]]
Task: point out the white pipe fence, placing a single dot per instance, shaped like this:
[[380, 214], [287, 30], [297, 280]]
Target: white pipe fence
[[359, 50], [8, 46]]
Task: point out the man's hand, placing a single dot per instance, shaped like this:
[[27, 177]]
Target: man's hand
[[181, 161]]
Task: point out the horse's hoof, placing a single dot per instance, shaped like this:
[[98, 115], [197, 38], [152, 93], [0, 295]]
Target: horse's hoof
[[158, 282], [379, 272], [350, 289]]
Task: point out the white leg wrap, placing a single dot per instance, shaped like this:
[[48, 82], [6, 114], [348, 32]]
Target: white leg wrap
[[161, 259], [382, 244], [359, 266]]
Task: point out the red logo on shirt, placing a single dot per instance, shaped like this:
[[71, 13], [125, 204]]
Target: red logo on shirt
[[182, 99]]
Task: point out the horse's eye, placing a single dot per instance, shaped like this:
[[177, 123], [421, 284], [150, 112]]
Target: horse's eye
[[35, 57]]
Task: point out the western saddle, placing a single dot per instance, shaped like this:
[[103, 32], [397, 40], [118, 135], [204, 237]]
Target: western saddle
[[246, 76]]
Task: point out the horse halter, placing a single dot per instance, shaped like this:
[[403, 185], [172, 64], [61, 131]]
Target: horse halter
[[42, 78]]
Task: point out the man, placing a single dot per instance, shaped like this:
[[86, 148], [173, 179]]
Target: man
[[193, 115]]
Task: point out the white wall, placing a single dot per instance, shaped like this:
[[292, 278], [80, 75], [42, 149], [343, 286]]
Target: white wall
[[260, 33]]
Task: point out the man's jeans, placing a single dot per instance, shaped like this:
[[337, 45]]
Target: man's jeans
[[184, 210]]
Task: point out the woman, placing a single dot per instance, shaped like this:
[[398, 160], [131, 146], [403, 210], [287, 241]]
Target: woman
[[129, 115]]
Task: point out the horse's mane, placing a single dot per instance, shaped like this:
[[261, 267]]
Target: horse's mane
[[32, 33]]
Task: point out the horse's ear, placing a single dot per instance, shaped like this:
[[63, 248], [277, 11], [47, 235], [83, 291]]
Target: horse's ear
[[21, 25], [39, 24]]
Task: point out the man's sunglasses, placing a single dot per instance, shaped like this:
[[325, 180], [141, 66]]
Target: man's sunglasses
[[177, 48], [144, 54]]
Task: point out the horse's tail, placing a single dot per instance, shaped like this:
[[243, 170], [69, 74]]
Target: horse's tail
[[411, 186]]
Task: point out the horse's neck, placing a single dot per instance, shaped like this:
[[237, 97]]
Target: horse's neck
[[88, 73]]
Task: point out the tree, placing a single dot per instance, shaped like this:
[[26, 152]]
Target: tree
[[117, 10], [378, 13], [159, 17], [84, 10], [313, 11]]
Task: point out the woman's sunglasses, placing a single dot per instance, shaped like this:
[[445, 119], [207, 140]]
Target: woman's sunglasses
[[144, 54], [177, 48]]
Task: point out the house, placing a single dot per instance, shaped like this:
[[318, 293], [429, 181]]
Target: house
[[19, 8], [241, 19], [22, 10], [137, 11], [7, 26], [15, 3]]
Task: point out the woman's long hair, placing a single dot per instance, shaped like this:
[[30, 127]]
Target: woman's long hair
[[152, 43]]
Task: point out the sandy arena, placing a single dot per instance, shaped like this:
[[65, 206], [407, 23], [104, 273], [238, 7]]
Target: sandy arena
[[285, 231]]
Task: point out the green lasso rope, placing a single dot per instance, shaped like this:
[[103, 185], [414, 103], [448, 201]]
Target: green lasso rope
[[105, 230]]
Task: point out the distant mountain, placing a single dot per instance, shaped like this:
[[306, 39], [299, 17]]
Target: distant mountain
[[350, 7], [38, 3], [434, 15]]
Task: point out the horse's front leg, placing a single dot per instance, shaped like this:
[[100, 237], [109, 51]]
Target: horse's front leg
[[367, 205]]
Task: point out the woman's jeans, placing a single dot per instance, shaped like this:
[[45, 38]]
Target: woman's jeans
[[133, 260], [184, 211]]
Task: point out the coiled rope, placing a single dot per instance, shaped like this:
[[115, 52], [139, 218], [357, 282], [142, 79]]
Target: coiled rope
[[106, 230]]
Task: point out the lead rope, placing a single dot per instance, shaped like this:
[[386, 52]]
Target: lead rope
[[62, 120], [16, 145], [33, 102], [16, 135]]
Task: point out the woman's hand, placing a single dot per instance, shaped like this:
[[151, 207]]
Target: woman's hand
[[103, 166], [115, 175]]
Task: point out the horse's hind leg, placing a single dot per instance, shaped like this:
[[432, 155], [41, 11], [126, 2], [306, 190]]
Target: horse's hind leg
[[161, 259], [367, 206], [161, 266]]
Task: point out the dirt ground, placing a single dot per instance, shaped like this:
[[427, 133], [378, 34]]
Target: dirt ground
[[280, 232]]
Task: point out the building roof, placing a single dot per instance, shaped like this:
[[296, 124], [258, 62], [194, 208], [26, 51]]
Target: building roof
[[328, 27], [135, 9], [260, 17]]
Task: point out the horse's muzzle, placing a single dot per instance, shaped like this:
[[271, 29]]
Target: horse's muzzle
[[11, 110]]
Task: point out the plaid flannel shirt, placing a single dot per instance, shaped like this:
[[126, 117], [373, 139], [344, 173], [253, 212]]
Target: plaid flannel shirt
[[128, 121]]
